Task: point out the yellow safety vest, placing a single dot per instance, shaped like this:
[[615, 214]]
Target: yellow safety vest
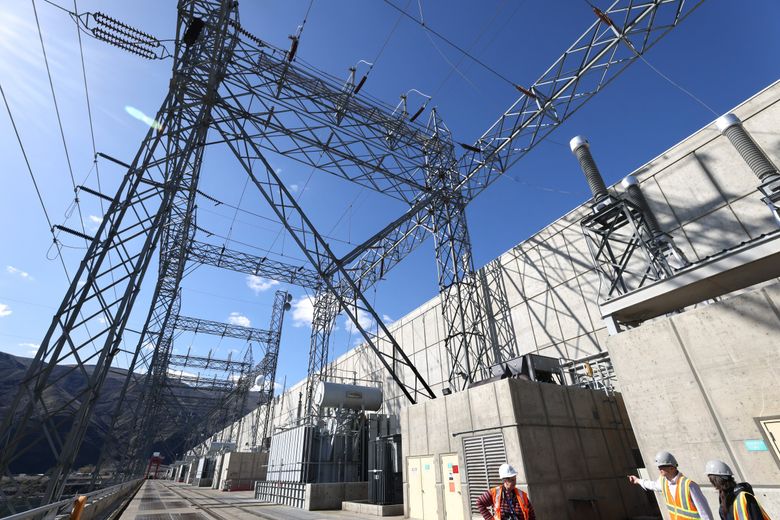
[[680, 506], [739, 508]]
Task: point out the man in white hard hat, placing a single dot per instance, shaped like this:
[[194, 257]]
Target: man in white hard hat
[[737, 501], [506, 501], [683, 497]]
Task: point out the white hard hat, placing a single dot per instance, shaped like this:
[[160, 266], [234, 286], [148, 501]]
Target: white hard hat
[[664, 458], [507, 471], [718, 467]]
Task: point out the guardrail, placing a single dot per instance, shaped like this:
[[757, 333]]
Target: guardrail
[[96, 502]]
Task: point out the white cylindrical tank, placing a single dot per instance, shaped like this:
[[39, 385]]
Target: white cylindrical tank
[[353, 397]]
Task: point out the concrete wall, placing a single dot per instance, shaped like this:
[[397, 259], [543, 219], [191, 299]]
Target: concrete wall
[[571, 446], [704, 196], [698, 382]]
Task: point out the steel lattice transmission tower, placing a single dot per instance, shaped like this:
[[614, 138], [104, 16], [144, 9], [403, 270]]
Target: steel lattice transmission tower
[[257, 99]]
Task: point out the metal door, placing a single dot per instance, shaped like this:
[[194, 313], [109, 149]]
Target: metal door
[[428, 471], [453, 498], [414, 477]]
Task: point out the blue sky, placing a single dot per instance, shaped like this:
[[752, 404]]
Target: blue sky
[[725, 52]]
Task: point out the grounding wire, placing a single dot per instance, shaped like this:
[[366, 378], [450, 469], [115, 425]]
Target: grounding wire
[[218, 202], [252, 246], [387, 40], [481, 34], [453, 66], [639, 55], [449, 42], [675, 84]]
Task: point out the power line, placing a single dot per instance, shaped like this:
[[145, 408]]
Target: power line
[[27, 162], [59, 118], [218, 202], [449, 42], [387, 40], [482, 32]]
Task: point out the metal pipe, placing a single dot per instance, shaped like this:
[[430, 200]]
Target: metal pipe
[[635, 195], [731, 126], [580, 147]]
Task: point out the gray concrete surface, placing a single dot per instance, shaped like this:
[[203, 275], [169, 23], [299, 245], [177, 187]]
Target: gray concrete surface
[[571, 446], [699, 381], [169, 499], [704, 196]]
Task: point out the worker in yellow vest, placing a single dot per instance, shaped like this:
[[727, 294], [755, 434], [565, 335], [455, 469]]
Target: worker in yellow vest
[[507, 501], [683, 497], [737, 501]]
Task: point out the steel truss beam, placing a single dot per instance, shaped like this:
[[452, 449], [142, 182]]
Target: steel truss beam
[[305, 115], [218, 328], [108, 280], [621, 33], [220, 256], [499, 318], [315, 121], [317, 251], [207, 362], [625, 253], [264, 375]]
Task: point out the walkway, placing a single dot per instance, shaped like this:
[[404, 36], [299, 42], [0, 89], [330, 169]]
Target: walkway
[[166, 500]]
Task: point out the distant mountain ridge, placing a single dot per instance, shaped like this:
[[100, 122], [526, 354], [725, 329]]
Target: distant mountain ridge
[[37, 457]]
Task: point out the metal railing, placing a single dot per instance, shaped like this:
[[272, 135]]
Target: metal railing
[[95, 500], [594, 371]]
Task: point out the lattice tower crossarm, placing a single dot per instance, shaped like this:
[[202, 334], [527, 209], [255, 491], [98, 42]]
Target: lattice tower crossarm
[[315, 248], [222, 257], [223, 330], [108, 280]]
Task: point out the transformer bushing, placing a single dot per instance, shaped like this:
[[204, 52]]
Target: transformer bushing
[[662, 243], [627, 245], [731, 126], [580, 147]]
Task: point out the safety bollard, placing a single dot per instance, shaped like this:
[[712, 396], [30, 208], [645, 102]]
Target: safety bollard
[[78, 507]]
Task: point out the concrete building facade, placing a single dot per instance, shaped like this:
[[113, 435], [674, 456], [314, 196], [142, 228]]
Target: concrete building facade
[[705, 197]]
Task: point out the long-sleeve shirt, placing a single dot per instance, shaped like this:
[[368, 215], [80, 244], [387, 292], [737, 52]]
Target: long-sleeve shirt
[[696, 495], [485, 508]]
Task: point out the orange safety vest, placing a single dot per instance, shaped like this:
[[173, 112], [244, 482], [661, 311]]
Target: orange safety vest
[[680, 506], [520, 495], [739, 508]]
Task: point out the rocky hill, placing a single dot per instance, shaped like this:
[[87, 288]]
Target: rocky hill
[[172, 434]]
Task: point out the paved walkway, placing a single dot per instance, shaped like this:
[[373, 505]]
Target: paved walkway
[[166, 500]]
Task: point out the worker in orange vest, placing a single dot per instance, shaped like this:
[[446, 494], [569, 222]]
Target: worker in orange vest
[[737, 501], [506, 501], [683, 497]]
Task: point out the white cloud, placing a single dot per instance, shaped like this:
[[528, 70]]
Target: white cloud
[[236, 318], [95, 219], [148, 346], [259, 284], [31, 347], [386, 319], [294, 188], [177, 373], [364, 319], [18, 272], [303, 311], [5, 310]]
